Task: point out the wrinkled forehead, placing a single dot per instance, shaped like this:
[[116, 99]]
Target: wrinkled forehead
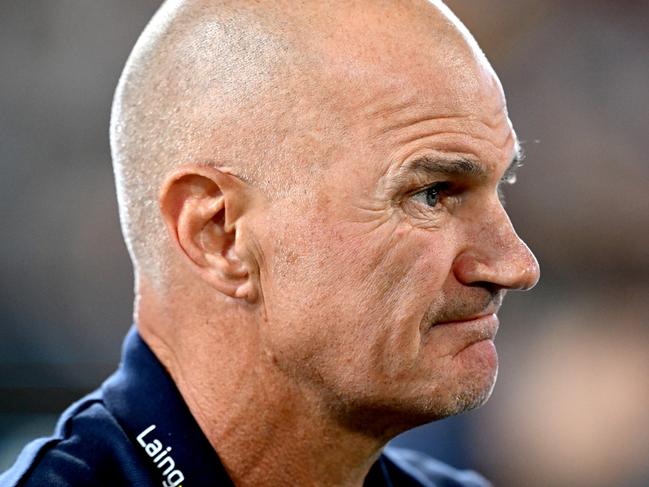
[[384, 56], [406, 77], [397, 73]]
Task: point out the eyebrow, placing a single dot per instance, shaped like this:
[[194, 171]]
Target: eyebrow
[[427, 166]]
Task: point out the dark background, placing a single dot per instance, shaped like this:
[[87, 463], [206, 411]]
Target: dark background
[[570, 407]]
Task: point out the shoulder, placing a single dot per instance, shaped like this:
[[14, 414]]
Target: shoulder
[[88, 447], [409, 467]]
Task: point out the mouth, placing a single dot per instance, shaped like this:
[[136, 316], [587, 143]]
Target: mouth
[[471, 330], [482, 313], [485, 323], [467, 321]]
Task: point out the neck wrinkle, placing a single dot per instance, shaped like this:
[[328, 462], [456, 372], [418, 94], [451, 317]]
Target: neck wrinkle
[[274, 434], [266, 429]]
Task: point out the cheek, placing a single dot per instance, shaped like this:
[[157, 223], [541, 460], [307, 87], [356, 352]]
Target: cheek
[[412, 277], [352, 306]]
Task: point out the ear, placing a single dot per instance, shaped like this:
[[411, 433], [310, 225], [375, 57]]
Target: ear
[[201, 207]]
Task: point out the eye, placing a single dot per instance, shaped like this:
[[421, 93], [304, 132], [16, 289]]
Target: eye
[[431, 195]]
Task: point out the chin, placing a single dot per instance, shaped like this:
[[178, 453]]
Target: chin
[[467, 388], [476, 370], [456, 401], [388, 417], [464, 383], [469, 398]]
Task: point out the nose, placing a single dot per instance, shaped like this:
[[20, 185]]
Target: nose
[[495, 254]]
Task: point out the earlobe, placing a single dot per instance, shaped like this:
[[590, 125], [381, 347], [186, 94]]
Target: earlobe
[[201, 207]]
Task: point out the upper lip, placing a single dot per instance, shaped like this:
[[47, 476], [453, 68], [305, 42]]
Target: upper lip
[[468, 318], [489, 310], [479, 309]]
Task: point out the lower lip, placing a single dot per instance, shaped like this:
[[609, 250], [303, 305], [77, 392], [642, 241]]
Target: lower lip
[[477, 339], [484, 351], [476, 334]]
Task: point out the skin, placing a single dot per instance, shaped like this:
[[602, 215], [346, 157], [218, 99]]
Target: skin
[[307, 327]]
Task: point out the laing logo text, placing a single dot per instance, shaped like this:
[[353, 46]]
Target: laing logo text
[[161, 458]]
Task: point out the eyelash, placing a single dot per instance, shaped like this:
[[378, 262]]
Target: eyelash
[[445, 189], [439, 190]]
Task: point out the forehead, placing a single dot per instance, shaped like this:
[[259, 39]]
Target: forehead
[[430, 106], [409, 78], [443, 121]]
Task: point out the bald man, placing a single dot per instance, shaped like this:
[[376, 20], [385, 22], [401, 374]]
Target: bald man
[[309, 192]]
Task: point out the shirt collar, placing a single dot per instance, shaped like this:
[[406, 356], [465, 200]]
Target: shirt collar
[[145, 401]]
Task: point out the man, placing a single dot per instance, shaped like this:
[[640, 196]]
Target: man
[[309, 194]]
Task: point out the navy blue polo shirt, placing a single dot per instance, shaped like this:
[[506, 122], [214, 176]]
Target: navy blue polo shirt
[[136, 430]]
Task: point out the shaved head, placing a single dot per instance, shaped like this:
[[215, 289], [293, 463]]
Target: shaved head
[[248, 87], [309, 193], [188, 93]]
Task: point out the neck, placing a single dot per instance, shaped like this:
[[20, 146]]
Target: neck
[[275, 436], [266, 430]]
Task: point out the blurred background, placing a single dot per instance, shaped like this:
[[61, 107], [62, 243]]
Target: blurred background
[[570, 407]]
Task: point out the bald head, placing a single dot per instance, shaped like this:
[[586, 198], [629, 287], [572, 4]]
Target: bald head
[[187, 95], [311, 187], [264, 91]]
